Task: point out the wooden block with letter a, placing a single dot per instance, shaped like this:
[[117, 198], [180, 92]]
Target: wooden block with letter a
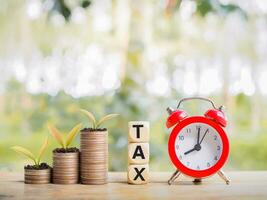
[[138, 153]]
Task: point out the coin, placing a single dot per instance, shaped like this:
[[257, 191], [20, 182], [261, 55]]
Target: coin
[[60, 181], [37, 176], [66, 168], [94, 157]]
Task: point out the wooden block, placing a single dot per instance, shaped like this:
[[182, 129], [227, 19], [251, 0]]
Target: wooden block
[[138, 174], [138, 131], [138, 153]]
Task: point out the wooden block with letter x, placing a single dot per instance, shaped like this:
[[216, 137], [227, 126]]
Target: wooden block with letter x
[[138, 131], [138, 174], [138, 153]]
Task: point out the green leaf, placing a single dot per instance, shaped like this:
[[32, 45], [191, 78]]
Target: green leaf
[[56, 134], [106, 118], [42, 150], [72, 134], [25, 152], [90, 116]]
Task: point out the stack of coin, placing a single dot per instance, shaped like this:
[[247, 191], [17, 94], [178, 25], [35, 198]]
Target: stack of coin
[[94, 157], [66, 168], [37, 176]]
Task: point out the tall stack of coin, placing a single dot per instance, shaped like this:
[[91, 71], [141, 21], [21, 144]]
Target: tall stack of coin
[[37, 176], [94, 157], [66, 168]]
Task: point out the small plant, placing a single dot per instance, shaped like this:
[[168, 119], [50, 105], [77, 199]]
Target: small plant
[[62, 141], [36, 159], [96, 124]]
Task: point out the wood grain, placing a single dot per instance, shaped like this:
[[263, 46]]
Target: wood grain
[[244, 185]]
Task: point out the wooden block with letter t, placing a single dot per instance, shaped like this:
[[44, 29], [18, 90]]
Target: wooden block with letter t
[[138, 174], [138, 131], [138, 153]]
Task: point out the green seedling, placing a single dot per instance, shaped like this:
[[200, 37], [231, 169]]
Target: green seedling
[[36, 159], [96, 124], [64, 142]]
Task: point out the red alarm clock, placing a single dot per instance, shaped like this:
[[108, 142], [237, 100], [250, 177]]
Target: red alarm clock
[[198, 145]]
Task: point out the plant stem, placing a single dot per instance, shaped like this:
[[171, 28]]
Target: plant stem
[[35, 162]]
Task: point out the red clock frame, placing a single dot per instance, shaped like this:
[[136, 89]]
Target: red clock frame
[[198, 173]]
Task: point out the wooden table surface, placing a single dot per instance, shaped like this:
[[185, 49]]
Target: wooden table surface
[[244, 185]]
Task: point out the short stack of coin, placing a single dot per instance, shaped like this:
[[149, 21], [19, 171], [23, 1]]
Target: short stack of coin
[[94, 157], [37, 176], [66, 168]]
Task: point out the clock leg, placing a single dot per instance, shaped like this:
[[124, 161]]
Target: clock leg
[[223, 176], [175, 175]]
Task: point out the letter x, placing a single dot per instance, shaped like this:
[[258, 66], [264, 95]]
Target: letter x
[[139, 173]]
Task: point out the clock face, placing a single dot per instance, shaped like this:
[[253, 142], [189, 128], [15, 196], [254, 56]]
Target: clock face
[[198, 146]]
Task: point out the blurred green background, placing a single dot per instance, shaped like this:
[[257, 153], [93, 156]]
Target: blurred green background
[[134, 58]]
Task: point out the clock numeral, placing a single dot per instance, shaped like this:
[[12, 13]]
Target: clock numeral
[[218, 148], [188, 163], [198, 168], [208, 164], [188, 130], [215, 158], [180, 157], [181, 137], [215, 137], [177, 146]]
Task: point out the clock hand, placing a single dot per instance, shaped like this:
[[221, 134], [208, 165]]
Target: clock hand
[[191, 150], [197, 147], [198, 134], [203, 136]]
